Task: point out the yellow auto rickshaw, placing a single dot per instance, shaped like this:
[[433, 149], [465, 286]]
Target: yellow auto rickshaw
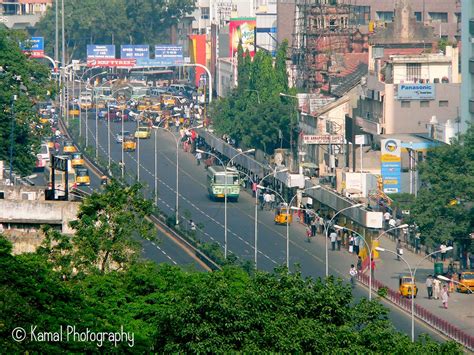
[[129, 144], [465, 282], [69, 147], [407, 286], [50, 143], [77, 159], [74, 110], [283, 214], [82, 177]]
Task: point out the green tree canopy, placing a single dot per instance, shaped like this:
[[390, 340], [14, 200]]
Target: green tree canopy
[[113, 22], [444, 208], [23, 82], [254, 113]]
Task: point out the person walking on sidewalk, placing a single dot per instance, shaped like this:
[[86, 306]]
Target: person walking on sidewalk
[[442, 249], [359, 264], [429, 286], [308, 234], [372, 268], [314, 226], [333, 237], [445, 296], [339, 239], [198, 158], [436, 288], [399, 249], [353, 274]]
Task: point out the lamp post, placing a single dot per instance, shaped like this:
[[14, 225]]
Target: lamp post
[[226, 166], [177, 168], [447, 279], [412, 274], [326, 230], [288, 219], [391, 229], [87, 122]]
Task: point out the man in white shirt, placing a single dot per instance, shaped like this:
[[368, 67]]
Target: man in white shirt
[[386, 217], [333, 237], [268, 200], [353, 274]]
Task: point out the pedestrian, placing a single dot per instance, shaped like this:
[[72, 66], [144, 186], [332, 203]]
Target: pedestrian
[[399, 249], [321, 224], [386, 217], [308, 234], [314, 226], [445, 296], [260, 198], [356, 244], [333, 237], [372, 267], [254, 189], [436, 288], [353, 274], [198, 158], [338, 240], [272, 201], [351, 243], [359, 264], [268, 200], [429, 286], [442, 249], [392, 223]]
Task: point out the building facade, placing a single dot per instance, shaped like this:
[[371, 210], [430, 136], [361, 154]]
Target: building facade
[[467, 63], [21, 14]]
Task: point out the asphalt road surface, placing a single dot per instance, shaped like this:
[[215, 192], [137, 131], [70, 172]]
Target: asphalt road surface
[[195, 204]]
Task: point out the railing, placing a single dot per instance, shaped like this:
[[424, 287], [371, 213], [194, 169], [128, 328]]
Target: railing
[[422, 313]]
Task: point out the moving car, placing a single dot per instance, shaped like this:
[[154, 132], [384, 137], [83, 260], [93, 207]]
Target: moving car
[[143, 132], [77, 159], [119, 137], [129, 144], [82, 177]]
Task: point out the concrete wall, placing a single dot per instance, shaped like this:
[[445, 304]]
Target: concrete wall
[[224, 77], [38, 212], [285, 20], [413, 119], [20, 192]]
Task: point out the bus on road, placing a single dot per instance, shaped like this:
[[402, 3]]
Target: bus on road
[[216, 183]]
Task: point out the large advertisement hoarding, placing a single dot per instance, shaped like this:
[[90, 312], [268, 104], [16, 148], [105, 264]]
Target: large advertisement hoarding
[[242, 29], [34, 47], [416, 92], [100, 51], [198, 55], [169, 54], [391, 165], [140, 52]]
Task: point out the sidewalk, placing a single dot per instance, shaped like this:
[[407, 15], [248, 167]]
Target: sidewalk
[[461, 305]]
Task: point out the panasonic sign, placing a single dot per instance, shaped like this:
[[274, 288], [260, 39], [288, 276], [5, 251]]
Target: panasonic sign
[[416, 92]]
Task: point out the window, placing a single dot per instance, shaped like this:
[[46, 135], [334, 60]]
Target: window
[[204, 13], [438, 16], [360, 15], [458, 17], [406, 104], [424, 103], [413, 71], [386, 16], [418, 16], [443, 103]]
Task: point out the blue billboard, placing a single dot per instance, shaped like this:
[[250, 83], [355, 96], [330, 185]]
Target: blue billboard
[[140, 52], [169, 55], [416, 92], [101, 51], [34, 46], [391, 165]]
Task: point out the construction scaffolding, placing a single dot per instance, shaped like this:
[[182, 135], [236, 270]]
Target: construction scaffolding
[[324, 31]]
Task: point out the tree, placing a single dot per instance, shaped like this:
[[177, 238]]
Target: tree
[[107, 227], [114, 22], [23, 82], [444, 208]]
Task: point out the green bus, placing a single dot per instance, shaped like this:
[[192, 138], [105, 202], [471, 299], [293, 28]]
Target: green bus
[[216, 183]]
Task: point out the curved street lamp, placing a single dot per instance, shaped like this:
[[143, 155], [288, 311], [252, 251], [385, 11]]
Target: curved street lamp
[[412, 274], [447, 279], [226, 167]]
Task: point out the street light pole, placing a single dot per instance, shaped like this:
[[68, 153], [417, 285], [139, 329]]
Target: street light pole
[[412, 274], [108, 137], [156, 170], [122, 165], [326, 229], [12, 137], [138, 150]]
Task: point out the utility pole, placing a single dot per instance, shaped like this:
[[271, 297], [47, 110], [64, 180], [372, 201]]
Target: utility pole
[[56, 43], [63, 58]]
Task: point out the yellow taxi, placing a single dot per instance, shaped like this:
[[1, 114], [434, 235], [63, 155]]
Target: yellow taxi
[[168, 100], [129, 144], [74, 111], [82, 177], [143, 132], [77, 159], [44, 119], [69, 147]]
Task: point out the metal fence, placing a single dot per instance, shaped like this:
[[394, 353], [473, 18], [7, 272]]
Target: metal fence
[[422, 313]]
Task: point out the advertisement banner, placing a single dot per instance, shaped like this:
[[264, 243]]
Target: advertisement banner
[[198, 55], [416, 92], [242, 29], [140, 52], [168, 54], [100, 51], [323, 139], [391, 165], [34, 47], [108, 63]]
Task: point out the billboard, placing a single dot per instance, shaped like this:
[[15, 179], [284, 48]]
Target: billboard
[[169, 54], [416, 92], [242, 29], [34, 47], [391, 165], [140, 52], [100, 51], [110, 62], [323, 139], [198, 55]]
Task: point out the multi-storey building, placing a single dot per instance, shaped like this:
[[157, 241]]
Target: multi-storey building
[[20, 14], [467, 63]]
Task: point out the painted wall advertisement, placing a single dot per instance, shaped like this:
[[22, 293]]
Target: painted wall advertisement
[[242, 29], [391, 165], [416, 92]]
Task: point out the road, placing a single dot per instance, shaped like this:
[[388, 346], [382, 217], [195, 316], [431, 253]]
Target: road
[[194, 204]]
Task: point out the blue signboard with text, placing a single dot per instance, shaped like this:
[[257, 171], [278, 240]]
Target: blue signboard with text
[[34, 47], [139, 52], [169, 55], [101, 51], [416, 92]]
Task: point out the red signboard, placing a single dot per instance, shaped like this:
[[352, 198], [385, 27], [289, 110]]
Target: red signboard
[[117, 63], [34, 53]]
